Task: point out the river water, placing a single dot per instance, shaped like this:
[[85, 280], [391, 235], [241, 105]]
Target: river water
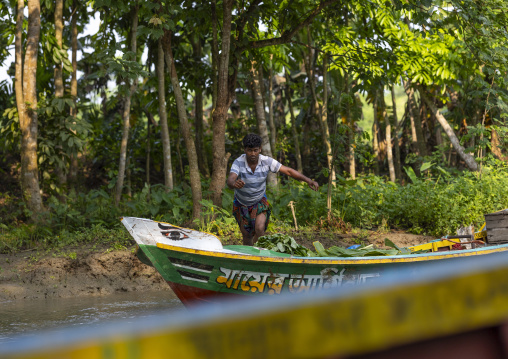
[[27, 317]]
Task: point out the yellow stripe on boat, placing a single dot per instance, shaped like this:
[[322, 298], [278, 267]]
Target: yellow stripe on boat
[[330, 260]]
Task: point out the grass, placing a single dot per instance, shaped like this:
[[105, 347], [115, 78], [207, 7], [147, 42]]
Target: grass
[[24, 237]]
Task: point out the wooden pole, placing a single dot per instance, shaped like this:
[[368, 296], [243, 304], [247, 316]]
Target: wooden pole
[[292, 205]]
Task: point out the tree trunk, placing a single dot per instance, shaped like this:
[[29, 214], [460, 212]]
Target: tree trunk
[[326, 132], [293, 126], [425, 127], [128, 175], [198, 106], [450, 154], [200, 138], [414, 139], [477, 118], [440, 143], [351, 133], [375, 136], [58, 75], [127, 113], [416, 125], [74, 46], [104, 103], [220, 114], [26, 101], [166, 142], [271, 123], [227, 84], [195, 178], [215, 55], [260, 117], [179, 153], [321, 110], [324, 124], [59, 85], [148, 146], [389, 150], [306, 133], [279, 114], [495, 146], [73, 168], [468, 159], [351, 154], [260, 111], [396, 160]]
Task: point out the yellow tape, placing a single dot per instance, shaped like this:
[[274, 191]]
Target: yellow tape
[[361, 323]]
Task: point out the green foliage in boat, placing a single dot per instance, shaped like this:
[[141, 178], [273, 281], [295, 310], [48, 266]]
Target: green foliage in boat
[[368, 251], [284, 243], [280, 242]]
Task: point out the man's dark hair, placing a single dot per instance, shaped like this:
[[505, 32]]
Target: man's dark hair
[[251, 140]]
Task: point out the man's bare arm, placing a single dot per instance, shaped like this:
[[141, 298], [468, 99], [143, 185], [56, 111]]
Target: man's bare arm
[[298, 176], [233, 181]]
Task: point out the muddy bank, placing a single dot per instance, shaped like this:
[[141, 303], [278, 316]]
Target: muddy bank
[[31, 275], [85, 271]]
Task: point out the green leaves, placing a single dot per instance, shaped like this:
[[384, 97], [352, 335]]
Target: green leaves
[[215, 219], [389, 243], [425, 166], [283, 243], [367, 251], [9, 127], [55, 53], [11, 112], [286, 244], [411, 174], [125, 66]]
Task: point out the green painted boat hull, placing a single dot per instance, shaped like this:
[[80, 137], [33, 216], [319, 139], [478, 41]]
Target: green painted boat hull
[[199, 268]]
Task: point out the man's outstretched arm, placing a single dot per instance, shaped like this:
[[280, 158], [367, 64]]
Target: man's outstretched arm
[[298, 176]]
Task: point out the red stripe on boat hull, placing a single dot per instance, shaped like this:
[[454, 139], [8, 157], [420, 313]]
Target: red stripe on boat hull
[[193, 295]]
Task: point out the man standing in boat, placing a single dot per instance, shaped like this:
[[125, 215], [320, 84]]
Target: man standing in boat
[[248, 178]]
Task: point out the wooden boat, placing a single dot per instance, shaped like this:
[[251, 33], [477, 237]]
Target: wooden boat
[[451, 309], [199, 268]]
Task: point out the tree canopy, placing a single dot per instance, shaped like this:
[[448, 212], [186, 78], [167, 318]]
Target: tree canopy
[[159, 96]]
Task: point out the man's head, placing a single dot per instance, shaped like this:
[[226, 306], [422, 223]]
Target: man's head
[[252, 147]]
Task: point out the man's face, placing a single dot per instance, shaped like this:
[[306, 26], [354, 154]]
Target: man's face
[[252, 153]]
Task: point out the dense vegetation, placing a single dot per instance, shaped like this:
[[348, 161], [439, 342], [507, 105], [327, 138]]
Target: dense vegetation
[[398, 110]]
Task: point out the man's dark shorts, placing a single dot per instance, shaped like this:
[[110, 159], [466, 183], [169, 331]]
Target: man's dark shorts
[[246, 215]]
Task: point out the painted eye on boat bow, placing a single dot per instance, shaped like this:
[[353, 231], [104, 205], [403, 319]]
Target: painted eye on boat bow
[[172, 232], [174, 235]]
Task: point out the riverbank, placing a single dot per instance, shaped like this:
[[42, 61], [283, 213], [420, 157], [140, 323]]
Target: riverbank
[[74, 273], [97, 271]]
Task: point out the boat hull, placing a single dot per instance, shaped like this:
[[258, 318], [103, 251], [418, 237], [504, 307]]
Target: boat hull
[[200, 269], [199, 276], [190, 295]]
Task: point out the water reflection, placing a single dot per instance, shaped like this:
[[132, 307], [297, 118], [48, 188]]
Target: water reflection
[[29, 316]]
